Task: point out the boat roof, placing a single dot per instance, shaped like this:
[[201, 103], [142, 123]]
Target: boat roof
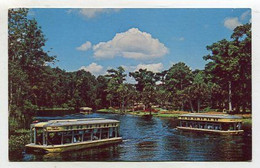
[[85, 108], [224, 116], [85, 121]]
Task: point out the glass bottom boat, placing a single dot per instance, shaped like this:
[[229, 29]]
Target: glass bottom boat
[[75, 134], [221, 124]]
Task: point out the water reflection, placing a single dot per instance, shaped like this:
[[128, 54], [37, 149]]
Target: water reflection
[[155, 139]]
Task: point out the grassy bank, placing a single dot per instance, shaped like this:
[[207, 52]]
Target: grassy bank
[[247, 119], [161, 113], [17, 141], [168, 115], [57, 108], [108, 111]]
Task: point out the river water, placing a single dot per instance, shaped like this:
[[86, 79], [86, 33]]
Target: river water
[[156, 139]]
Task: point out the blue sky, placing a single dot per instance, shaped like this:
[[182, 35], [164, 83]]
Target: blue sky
[[98, 39]]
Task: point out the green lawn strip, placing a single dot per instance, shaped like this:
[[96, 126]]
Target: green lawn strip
[[167, 115], [139, 113], [56, 108], [108, 111], [247, 121]]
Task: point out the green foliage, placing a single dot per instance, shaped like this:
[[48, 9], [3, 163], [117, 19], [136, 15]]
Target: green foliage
[[13, 123], [26, 60], [17, 142], [177, 79], [229, 67], [116, 89], [33, 84]]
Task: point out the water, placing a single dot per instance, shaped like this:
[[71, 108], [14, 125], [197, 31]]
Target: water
[[156, 139]]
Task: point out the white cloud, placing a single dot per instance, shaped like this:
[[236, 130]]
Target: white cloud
[[84, 47], [245, 15], [150, 67], [93, 12], [128, 68], [93, 68], [132, 44], [232, 23], [158, 67]]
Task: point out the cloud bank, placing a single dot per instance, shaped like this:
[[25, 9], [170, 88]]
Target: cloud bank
[[157, 67], [84, 47], [132, 44], [232, 23], [93, 68], [150, 67], [90, 13], [245, 15]]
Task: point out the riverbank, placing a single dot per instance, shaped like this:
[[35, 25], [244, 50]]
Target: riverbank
[[54, 111], [17, 141], [246, 118]]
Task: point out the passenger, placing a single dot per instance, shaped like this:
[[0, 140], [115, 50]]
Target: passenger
[[80, 139], [95, 137], [238, 126]]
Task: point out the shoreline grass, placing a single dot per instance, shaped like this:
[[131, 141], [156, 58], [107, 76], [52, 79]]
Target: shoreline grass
[[56, 108], [246, 119], [17, 141]]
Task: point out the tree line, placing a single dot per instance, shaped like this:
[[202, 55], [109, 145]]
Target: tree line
[[224, 83]]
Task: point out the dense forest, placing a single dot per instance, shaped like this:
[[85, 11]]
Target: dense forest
[[35, 82]]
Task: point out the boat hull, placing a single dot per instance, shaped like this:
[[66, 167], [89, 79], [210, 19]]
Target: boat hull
[[229, 132], [71, 147], [85, 113]]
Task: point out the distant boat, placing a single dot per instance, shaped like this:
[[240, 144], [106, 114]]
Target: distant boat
[[85, 110], [222, 124], [74, 134]]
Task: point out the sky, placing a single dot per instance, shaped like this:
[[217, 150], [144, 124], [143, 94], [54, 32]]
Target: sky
[[99, 39]]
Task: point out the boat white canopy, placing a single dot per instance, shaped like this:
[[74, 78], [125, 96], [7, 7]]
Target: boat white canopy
[[221, 116], [71, 122], [85, 108]]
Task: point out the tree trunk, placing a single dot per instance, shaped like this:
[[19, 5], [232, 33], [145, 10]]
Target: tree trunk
[[182, 104], [123, 106], [198, 105], [150, 109], [191, 106], [229, 97]]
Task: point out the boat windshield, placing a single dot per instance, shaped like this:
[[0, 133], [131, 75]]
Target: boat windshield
[[40, 137]]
